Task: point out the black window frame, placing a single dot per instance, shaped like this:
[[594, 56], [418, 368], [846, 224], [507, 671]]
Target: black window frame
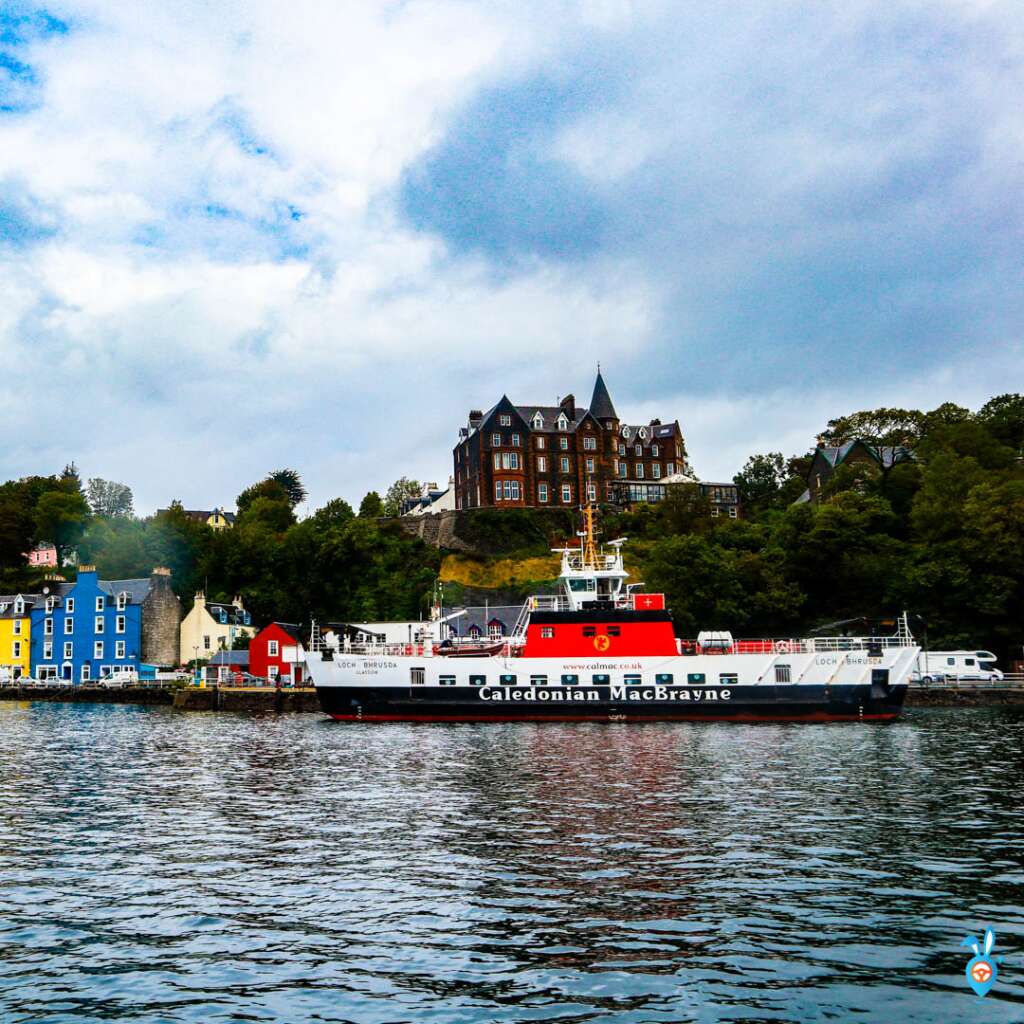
[[478, 680], [632, 679], [664, 678], [538, 680], [569, 679], [696, 679], [601, 679], [507, 680]]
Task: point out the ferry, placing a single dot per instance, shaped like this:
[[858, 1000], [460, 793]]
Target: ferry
[[602, 650]]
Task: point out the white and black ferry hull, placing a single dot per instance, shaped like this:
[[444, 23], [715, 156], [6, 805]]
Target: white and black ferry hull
[[379, 690]]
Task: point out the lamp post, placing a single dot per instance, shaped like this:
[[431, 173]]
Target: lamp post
[[199, 678]]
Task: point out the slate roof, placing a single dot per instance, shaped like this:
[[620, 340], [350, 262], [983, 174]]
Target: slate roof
[[550, 414], [237, 658], [235, 616], [9, 599], [481, 615], [291, 628], [137, 590], [887, 455], [601, 402]]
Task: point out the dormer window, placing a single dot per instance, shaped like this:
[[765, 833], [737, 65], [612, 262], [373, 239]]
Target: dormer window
[[49, 605], [625, 433], [563, 422], [122, 601], [538, 421], [642, 433], [19, 606]]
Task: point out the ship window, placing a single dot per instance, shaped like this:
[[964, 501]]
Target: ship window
[[728, 679], [478, 680], [600, 679], [664, 678], [632, 680], [418, 676], [695, 678], [614, 631], [782, 674], [547, 632], [508, 680], [570, 680], [538, 680], [447, 680]]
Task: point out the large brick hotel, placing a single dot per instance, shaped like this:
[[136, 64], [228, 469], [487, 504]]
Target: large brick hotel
[[550, 455]]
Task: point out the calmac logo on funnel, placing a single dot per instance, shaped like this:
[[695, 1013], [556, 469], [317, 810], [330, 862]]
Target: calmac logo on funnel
[[981, 971]]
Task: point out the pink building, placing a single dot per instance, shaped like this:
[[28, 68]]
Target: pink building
[[43, 555]]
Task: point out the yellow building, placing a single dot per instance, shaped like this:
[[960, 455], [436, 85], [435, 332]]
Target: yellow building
[[213, 626], [14, 636]]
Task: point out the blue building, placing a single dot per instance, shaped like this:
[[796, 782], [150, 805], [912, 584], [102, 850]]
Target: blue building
[[93, 629]]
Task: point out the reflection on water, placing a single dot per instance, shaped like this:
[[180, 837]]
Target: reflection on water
[[160, 866]]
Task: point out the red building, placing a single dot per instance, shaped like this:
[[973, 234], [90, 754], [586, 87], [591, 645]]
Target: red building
[[273, 654]]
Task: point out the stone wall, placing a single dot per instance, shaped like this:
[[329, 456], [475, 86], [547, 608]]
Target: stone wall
[[161, 621]]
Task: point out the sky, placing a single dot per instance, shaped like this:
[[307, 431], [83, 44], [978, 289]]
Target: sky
[[241, 236]]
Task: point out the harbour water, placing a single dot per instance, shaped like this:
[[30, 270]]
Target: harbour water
[[165, 866]]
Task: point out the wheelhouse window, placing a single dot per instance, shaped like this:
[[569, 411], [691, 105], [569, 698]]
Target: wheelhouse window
[[782, 674]]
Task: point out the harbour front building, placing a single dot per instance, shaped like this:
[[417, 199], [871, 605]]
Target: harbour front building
[[541, 456], [15, 632], [212, 626], [94, 629]]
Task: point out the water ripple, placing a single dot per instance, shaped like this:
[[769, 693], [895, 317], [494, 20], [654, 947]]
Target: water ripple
[[158, 866]]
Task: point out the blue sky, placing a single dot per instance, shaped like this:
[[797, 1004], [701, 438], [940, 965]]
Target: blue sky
[[240, 236]]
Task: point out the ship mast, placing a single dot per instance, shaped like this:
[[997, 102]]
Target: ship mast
[[589, 543]]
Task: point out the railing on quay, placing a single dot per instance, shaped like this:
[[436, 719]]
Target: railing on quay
[[1010, 681]]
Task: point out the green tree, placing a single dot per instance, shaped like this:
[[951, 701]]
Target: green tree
[[1003, 416], [109, 499], [371, 507], [401, 489], [760, 482], [61, 517], [289, 479], [263, 489]]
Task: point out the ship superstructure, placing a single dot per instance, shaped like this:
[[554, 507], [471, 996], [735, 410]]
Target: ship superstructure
[[601, 649]]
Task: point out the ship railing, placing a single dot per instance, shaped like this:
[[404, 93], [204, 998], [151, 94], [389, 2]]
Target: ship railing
[[797, 645]]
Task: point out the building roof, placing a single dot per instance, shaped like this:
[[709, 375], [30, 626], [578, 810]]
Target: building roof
[[482, 615], [137, 590], [201, 515], [235, 616], [550, 414], [239, 658], [601, 402], [7, 605], [291, 628], [886, 455]]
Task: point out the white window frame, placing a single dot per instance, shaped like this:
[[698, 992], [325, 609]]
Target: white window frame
[[101, 603], [273, 649], [120, 624], [542, 442], [639, 471], [497, 460], [563, 443], [566, 494], [119, 648], [85, 672], [497, 490], [69, 650], [670, 468], [505, 420], [97, 649], [590, 465], [496, 440], [542, 493], [47, 650], [564, 464], [515, 441], [563, 422], [69, 627], [590, 443], [515, 490], [654, 450], [98, 624], [272, 672], [638, 450], [16, 627], [122, 601], [591, 491], [49, 605], [542, 464], [656, 470], [538, 422], [69, 606]]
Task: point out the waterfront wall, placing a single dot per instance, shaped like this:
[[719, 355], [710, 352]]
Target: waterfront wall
[[89, 694]]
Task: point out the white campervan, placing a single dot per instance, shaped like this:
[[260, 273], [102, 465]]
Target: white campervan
[[935, 666]]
